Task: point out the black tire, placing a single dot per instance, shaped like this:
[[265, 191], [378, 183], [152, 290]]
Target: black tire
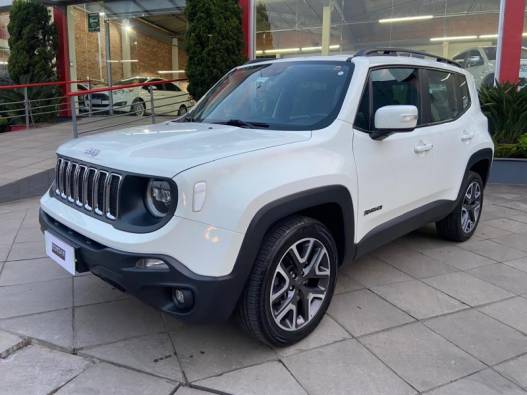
[[452, 227], [182, 110], [488, 81], [256, 312], [138, 108]]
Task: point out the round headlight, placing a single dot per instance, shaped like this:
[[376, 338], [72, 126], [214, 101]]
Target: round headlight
[[158, 198]]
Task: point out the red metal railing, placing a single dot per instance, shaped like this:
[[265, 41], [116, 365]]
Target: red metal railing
[[79, 102]]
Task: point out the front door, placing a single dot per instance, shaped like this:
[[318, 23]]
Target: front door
[[394, 173]]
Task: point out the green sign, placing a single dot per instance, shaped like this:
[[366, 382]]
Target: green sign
[[94, 22]]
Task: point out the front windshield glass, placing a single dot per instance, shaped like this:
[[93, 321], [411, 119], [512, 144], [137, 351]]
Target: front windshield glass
[[282, 95]]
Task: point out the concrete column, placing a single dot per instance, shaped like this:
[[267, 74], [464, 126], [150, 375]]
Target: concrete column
[[510, 40], [175, 54], [126, 50], [326, 29]]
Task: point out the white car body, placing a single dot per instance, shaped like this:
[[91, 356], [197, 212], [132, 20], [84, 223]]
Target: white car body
[[169, 98], [481, 63], [246, 170]]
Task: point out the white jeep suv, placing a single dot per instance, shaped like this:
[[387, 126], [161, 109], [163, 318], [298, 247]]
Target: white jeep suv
[[283, 171]]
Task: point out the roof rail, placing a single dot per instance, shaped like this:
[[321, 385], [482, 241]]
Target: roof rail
[[402, 52]]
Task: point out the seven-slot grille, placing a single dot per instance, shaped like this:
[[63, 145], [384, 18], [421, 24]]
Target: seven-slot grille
[[92, 189]]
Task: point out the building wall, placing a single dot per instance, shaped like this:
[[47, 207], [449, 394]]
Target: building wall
[[153, 55]]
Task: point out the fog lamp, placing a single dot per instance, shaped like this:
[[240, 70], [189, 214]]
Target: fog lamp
[[183, 298], [148, 263]]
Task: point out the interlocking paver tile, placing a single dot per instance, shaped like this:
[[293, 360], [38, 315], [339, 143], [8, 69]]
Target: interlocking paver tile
[[417, 264], [344, 368], [515, 240], [268, 378], [22, 272], [28, 250], [209, 350], [512, 312], [151, 354], [520, 264], [363, 312], [418, 299], [503, 276], [515, 370], [38, 370], [4, 251], [100, 378], [486, 382], [9, 343], [371, 272], [458, 257], [17, 300], [192, 391], [486, 231], [508, 225], [468, 289], [89, 289], [493, 250], [28, 233], [327, 332], [420, 356], [108, 322], [488, 340], [55, 327], [346, 284]]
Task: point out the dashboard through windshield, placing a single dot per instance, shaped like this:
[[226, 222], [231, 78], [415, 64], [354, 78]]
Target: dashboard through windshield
[[283, 95]]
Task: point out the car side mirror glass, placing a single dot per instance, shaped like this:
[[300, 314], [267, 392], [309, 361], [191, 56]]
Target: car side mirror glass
[[394, 119]]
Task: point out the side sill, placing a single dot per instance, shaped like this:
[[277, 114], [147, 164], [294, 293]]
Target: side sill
[[402, 225]]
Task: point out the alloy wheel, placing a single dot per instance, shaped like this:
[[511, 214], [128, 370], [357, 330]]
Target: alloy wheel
[[300, 284], [139, 109], [471, 207]]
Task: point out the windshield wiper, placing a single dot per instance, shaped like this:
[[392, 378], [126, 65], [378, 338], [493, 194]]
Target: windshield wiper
[[244, 124]]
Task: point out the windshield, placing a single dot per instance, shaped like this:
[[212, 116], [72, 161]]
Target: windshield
[[283, 96], [135, 80]]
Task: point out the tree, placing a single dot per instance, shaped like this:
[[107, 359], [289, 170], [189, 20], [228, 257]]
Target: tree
[[33, 50], [214, 42], [32, 43]]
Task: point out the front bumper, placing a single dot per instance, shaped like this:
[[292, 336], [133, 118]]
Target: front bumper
[[214, 298]]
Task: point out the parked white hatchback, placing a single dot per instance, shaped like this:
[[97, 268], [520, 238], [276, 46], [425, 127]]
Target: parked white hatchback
[[168, 98], [283, 171]]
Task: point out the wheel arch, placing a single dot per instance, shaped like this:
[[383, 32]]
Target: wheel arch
[[480, 162], [331, 205]]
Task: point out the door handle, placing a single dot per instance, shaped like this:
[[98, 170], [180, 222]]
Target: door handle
[[467, 136], [422, 147]]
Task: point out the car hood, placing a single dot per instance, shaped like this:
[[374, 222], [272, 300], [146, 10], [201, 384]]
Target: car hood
[[172, 147]]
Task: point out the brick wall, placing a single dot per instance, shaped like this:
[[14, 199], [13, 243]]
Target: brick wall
[[153, 55]]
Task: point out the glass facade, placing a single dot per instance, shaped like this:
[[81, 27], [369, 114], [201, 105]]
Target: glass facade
[[459, 29], [145, 39]]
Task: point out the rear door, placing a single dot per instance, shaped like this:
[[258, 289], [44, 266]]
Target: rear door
[[394, 174], [446, 99]]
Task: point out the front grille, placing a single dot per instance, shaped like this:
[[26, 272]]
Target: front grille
[[88, 188]]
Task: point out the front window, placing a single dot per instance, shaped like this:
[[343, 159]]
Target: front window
[[282, 96]]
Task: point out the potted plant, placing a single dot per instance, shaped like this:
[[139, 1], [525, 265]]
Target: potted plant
[[505, 106]]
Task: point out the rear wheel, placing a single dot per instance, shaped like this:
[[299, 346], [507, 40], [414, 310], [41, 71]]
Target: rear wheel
[[182, 110], [291, 284], [462, 222], [138, 108]]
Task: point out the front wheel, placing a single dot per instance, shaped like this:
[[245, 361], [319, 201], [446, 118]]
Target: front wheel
[[182, 110], [292, 282], [462, 222]]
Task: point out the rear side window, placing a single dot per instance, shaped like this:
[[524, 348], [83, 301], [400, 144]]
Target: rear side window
[[386, 87], [441, 92], [447, 96]]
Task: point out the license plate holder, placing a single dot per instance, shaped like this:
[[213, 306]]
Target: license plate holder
[[60, 252]]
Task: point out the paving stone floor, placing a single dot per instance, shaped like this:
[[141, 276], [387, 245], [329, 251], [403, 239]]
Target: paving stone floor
[[420, 315]]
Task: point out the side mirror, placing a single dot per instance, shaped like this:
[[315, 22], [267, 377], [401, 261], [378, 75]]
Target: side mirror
[[394, 119]]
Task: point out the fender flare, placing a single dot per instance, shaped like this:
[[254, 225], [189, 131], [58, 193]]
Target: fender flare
[[282, 208]]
